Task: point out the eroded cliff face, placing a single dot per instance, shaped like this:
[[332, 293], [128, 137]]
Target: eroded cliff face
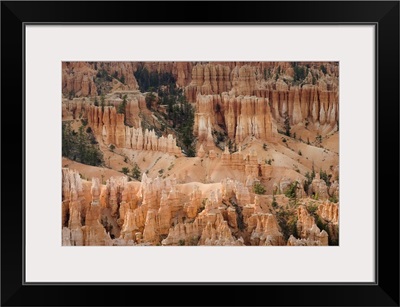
[[329, 213], [119, 69], [78, 79], [162, 212], [249, 183], [239, 116], [74, 108], [243, 116], [78, 108], [240, 99], [110, 128], [81, 212], [315, 103], [308, 231], [87, 79], [241, 102]]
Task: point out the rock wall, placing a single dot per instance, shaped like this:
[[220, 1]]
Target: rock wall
[[317, 103], [74, 108], [236, 100], [318, 188], [247, 116], [79, 107], [145, 213], [240, 116], [109, 127], [313, 103], [78, 78], [314, 100], [265, 231], [208, 79], [245, 78], [81, 219], [243, 116], [121, 68], [309, 233], [182, 71], [209, 228], [243, 104], [329, 212], [160, 212], [136, 139]]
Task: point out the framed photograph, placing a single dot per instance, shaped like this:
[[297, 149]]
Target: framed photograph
[[248, 156]]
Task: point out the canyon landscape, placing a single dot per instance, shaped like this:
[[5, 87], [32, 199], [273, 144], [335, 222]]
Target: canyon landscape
[[200, 154]]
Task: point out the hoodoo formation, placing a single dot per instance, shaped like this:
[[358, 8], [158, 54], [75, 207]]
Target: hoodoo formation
[[200, 153]]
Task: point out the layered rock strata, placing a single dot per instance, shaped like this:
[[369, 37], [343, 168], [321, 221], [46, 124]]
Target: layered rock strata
[[109, 126], [241, 116]]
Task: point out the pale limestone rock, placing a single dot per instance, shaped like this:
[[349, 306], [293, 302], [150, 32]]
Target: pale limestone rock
[[334, 189], [150, 233], [308, 230], [164, 215], [183, 234], [266, 231], [318, 188], [329, 212]]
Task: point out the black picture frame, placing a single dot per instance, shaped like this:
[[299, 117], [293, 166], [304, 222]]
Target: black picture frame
[[383, 14]]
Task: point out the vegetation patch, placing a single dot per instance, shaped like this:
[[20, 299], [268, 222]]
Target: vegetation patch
[[136, 172], [80, 146], [178, 114], [258, 188]]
